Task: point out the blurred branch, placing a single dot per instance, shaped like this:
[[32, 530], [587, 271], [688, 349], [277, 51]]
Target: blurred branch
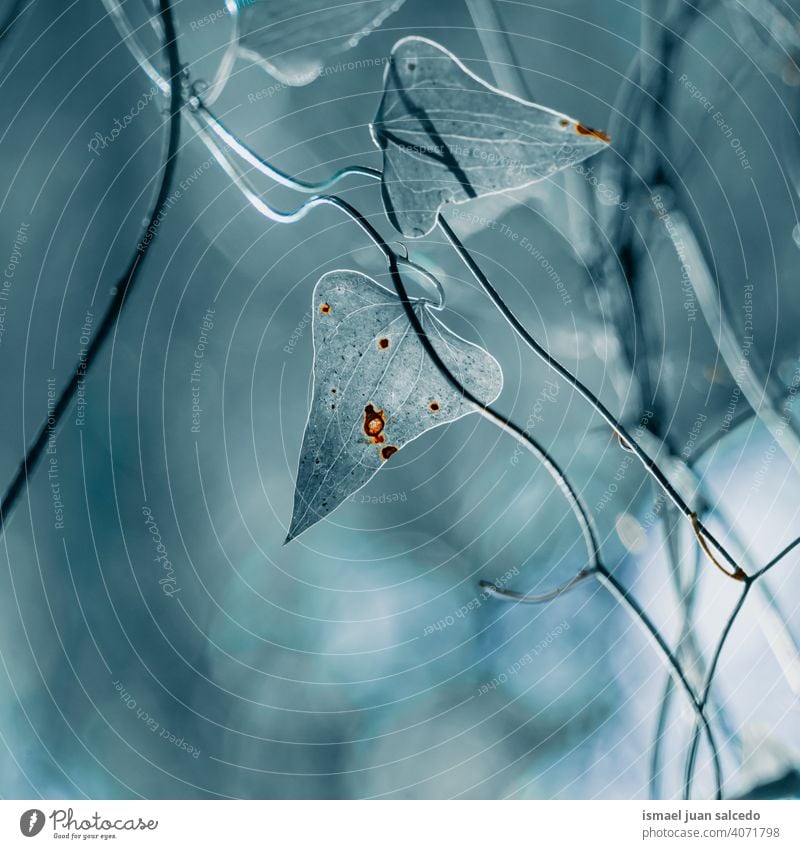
[[123, 286], [496, 418], [10, 28], [691, 758], [675, 668], [736, 357], [497, 47], [650, 465], [130, 39]]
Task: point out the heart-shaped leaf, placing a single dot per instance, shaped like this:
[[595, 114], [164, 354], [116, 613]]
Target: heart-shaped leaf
[[375, 389], [447, 137], [294, 39]]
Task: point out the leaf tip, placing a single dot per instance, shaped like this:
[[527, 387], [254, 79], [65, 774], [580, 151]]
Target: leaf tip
[[600, 135]]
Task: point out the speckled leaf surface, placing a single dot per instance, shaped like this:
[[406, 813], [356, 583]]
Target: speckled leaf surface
[[448, 137], [295, 39], [375, 389]]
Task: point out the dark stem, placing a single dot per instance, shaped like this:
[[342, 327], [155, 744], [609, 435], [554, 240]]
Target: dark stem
[[776, 559], [691, 758], [584, 391], [497, 418], [676, 670], [123, 286]]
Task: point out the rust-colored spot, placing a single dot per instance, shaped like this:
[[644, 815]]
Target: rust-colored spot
[[383, 343], [563, 122], [325, 309], [583, 130], [374, 422], [387, 451], [434, 407]]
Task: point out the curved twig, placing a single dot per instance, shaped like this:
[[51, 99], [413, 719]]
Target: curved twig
[[395, 262], [616, 426], [211, 122], [123, 286], [691, 759], [777, 559], [502, 594], [674, 665], [223, 72], [129, 39]]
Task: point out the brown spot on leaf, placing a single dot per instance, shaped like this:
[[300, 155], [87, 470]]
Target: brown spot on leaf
[[583, 130], [387, 451], [325, 309], [383, 343], [434, 407], [333, 389], [563, 122], [374, 422]]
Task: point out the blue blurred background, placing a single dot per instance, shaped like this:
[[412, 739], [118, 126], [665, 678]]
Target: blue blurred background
[[344, 664]]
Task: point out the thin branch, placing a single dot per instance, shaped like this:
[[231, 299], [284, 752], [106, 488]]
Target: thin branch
[[616, 426], [123, 286], [508, 76], [502, 594], [736, 357], [211, 122], [10, 29], [225, 69], [497, 47], [675, 668], [685, 590], [691, 759], [129, 39], [489, 413], [777, 558], [737, 575]]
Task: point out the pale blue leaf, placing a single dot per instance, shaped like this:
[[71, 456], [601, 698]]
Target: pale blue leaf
[[448, 137], [375, 389]]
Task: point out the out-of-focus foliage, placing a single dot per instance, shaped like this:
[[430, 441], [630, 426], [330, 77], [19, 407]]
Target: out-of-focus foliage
[[293, 40]]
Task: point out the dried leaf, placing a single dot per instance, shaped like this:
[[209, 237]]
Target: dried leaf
[[375, 389], [447, 137], [293, 40]]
